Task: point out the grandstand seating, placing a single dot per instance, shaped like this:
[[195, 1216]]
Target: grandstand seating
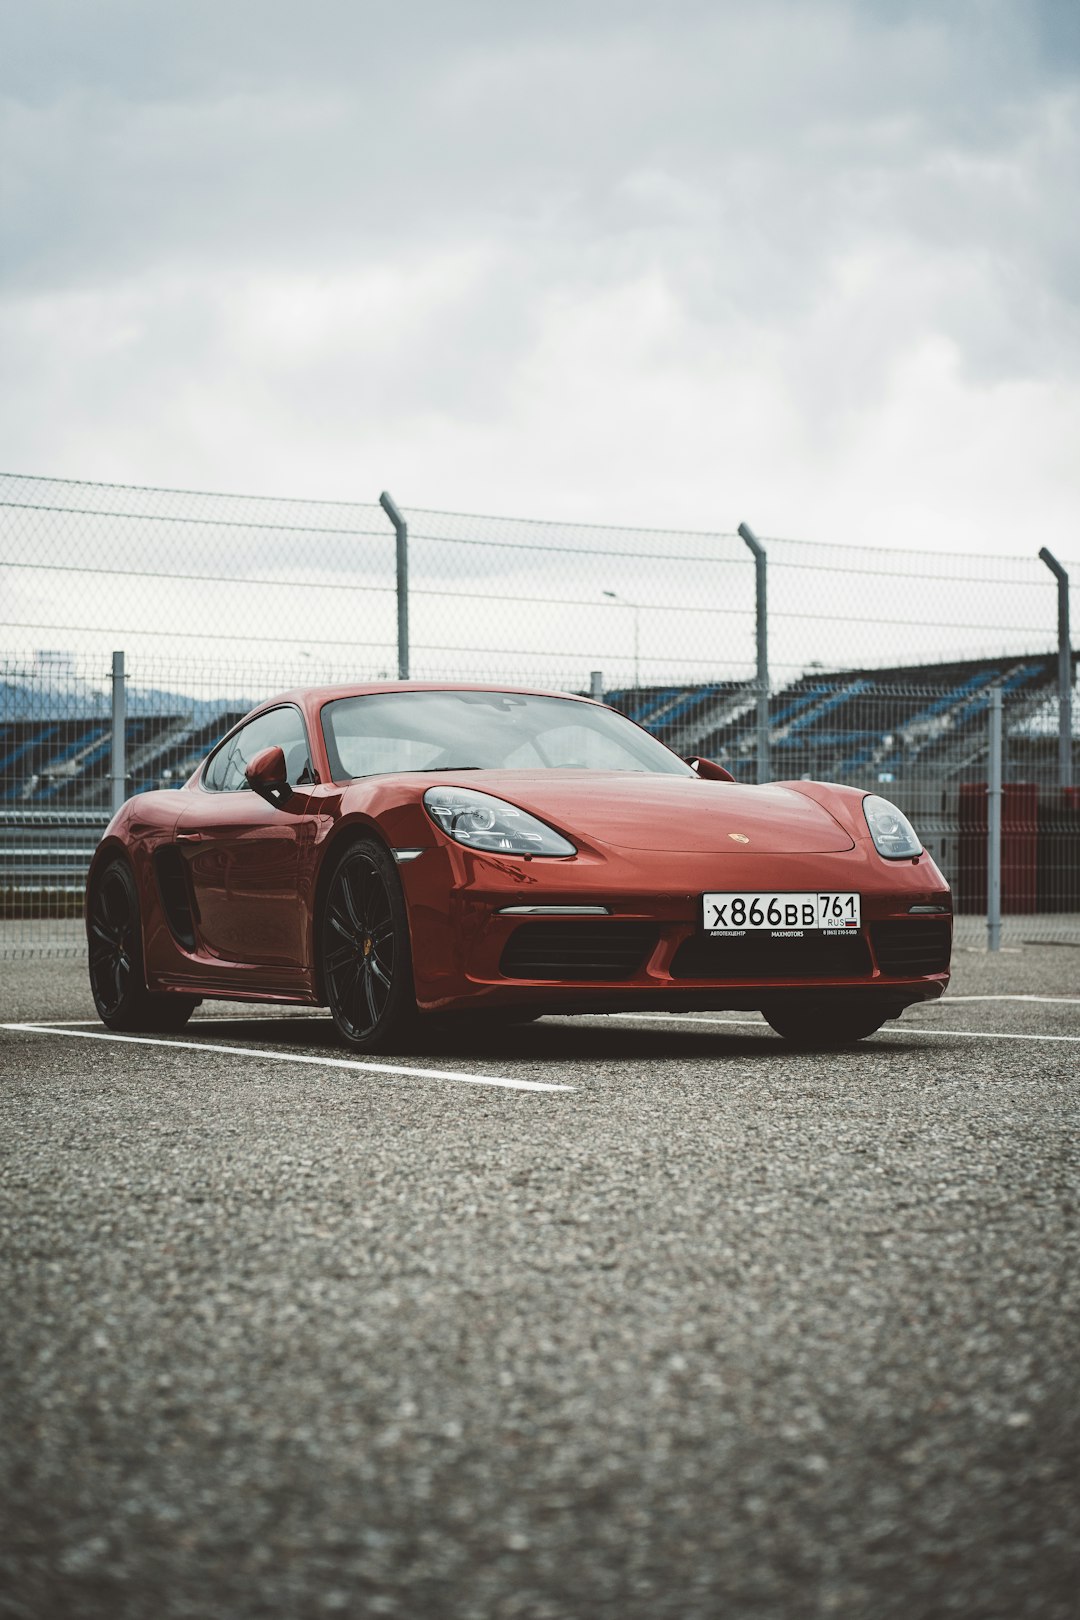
[[650, 707], [64, 764], [184, 746], [843, 725], [32, 749]]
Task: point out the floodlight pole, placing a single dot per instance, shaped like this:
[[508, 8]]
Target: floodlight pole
[[764, 770], [401, 529], [1064, 669]]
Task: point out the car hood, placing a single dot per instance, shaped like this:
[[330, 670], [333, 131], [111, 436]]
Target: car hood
[[632, 810]]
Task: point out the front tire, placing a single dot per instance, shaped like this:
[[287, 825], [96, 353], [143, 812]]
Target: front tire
[[364, 952], [117, 976], [824, 1028]]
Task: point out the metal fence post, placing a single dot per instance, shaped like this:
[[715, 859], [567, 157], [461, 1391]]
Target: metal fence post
[[401, 529], [596, 685], [118, 768], [1064, 670], [764, 768], [993, 828]]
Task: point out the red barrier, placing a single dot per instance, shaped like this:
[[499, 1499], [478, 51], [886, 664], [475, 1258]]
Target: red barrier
[[1019, 848]]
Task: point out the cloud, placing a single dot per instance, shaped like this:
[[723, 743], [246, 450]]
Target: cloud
[[809, 261]]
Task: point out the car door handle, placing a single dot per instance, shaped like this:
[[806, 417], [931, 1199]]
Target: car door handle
[[189, 838]]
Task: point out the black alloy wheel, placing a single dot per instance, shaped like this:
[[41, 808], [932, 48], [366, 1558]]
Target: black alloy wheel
[[114, 939], [365, 956], [824, 1028]]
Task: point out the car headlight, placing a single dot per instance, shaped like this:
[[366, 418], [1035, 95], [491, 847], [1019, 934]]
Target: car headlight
[[892, 832], [481, 821]]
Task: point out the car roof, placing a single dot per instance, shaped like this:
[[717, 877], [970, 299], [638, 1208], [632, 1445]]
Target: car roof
[[316, 696]]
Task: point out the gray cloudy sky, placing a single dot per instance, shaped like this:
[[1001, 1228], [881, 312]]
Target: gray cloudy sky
[[810, 262]]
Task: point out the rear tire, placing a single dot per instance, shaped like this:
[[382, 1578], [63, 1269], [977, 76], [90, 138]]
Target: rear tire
[[823, 1028], [364, 953], [117, 974]]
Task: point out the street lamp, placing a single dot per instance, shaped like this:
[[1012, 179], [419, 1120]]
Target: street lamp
[[635, 607]]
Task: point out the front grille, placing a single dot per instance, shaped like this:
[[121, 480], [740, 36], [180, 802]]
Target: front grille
[[909, 946], [582, 951], [761, 956]]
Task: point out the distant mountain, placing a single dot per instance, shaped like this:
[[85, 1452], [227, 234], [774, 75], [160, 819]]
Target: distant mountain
[[45, 697]]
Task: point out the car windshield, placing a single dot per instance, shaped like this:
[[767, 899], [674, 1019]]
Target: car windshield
[[459, 730]]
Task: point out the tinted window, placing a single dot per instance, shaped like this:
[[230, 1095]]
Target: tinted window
[[225, 770], [431, 731]]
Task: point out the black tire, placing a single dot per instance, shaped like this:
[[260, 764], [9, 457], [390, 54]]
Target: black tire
[[824, 1028], [364, 955], [117, 977]]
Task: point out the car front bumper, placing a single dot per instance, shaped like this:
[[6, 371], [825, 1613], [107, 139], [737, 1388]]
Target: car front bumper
[[475, 943]]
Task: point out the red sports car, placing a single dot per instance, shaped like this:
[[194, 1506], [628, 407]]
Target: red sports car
[[398, 851]]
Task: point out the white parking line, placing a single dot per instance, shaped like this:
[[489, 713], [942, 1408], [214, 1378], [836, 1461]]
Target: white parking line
[[978, 1034], [1055, 1001], [675, 1019], [297, 1057], [203, 1018]]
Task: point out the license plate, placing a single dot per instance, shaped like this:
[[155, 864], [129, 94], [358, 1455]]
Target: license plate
[[779, 913]]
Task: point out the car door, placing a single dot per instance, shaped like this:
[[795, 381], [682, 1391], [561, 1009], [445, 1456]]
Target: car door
[[242, 854]]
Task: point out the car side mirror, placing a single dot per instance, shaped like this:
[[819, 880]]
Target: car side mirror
[[266, 774], [709, 770]]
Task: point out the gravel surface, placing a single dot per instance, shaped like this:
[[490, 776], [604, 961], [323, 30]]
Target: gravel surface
[[721, 1331]]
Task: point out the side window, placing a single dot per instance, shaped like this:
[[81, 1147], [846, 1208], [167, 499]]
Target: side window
[[225, 771]]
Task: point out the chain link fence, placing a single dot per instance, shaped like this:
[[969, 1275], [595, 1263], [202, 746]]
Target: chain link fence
[[84, 567], [883, 664]]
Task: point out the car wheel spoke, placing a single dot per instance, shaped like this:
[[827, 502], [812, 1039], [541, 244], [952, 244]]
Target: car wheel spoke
[[370, 892], [357, 1001], [348, 901], [339, 972], [343, 971], [337, 922], [369, 998]]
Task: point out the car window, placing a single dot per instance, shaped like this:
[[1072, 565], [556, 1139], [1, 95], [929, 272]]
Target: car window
[[284, 727], [454, 730]]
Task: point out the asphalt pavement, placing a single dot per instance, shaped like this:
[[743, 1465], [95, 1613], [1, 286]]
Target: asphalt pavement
[[716, 1330]]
